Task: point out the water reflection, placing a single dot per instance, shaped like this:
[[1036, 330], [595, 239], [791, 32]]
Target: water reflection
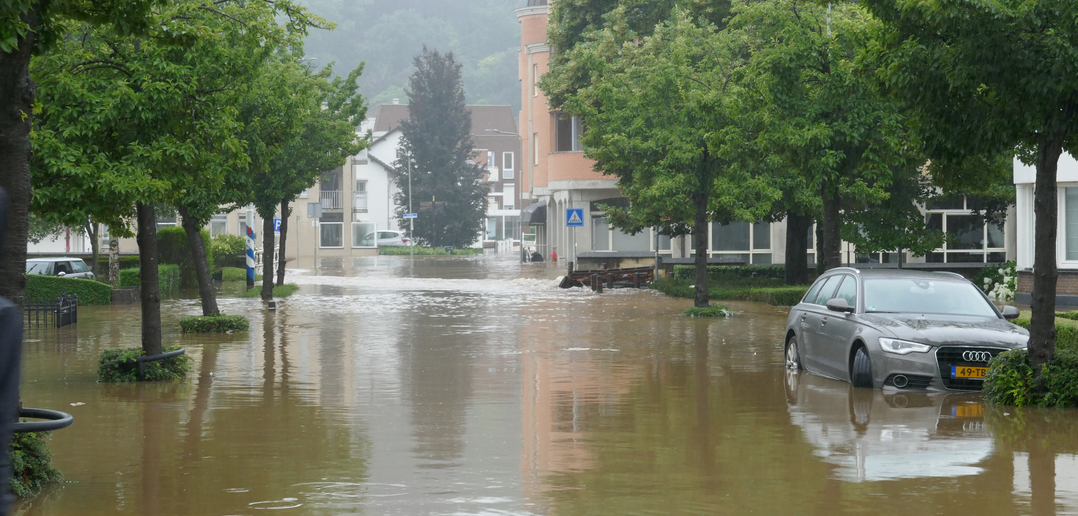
[[468, 385]]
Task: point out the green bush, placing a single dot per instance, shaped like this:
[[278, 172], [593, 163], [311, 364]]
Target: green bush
[[1066, 331], [396, 250], [1010, 380], [278, 290], [90, 292], [31, 464], [126, 262], [236, 274], [735, 274], [172, 248], [214, 324], [168, 279], [229, 250], [118, 365], [778, 296], [708, 311]]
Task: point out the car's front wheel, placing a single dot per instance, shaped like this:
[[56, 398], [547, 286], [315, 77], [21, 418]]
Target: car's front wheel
[[793, 358], [862, 369]]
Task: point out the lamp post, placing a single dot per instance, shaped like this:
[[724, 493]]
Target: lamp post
[[411, 220]]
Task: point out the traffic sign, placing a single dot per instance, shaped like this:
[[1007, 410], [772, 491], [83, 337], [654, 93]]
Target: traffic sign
[[276, 225], [410, 215], [574, 217]]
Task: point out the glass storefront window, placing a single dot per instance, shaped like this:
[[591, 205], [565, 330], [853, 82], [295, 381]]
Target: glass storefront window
[[600, 234], [626, 242], [363, 234], [331, 234]]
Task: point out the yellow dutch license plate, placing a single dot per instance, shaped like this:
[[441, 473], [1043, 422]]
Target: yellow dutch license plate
[[968, 372], [968, 410]]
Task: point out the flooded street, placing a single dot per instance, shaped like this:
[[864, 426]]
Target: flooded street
[[473, 385]]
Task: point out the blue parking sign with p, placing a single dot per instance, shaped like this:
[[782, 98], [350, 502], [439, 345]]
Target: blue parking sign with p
[[574, 217], [276, 225]]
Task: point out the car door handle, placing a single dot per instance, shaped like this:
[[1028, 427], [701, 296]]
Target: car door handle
[[824, 321]]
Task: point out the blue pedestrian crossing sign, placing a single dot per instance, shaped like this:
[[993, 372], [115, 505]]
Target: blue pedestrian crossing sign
[[574, 217]]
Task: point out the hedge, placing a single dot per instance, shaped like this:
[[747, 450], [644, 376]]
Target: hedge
[[278, 290], [172, 248], [236, 274], [118, 365], [168, 277], [778, 296], [708, 311], [90, 292], [214, 324], [229, 251], [31, 464], [735, 274], [1010, 378]]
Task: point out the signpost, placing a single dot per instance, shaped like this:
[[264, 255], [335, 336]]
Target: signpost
[[574, 218], [410, 217], [276, 225], [314, 211]]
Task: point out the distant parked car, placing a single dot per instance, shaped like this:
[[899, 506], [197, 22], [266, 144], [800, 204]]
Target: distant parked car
[[386, 238], [899, 329], [63, 267]]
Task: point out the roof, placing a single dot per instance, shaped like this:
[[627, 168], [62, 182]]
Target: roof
[[388, 116]]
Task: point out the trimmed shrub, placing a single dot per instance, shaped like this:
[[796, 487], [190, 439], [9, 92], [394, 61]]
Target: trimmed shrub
[[236, 274], [709, 311], [278, 290], [126, 262], [735, 274], [778, 296], [397, 250], [168, 278], [214, 324], [172, 248], [228, 250], [90, 292], [1010, 380], [31, 464], [118, 365], [1066, 330]]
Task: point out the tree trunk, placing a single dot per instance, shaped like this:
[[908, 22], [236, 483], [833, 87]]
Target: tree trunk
[[267, 257], [280, 246], [699, 234], [150, 287], [831, 243], [202, 265], [1042, 325], [95, 244], [17, 93], [797, 229], [114, 258]]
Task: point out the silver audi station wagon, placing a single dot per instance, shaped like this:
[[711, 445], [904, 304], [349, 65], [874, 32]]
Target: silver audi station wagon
[[899, 329]]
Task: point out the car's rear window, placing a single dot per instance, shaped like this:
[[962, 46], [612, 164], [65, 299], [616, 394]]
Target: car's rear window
[[79, 266], [925, 296]]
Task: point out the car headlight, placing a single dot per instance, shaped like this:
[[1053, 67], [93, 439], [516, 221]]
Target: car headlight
[[902, 347]]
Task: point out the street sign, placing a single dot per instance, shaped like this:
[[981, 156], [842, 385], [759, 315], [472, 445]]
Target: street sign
[[276, 225], [410, 215], [314, 210], [574, 217]]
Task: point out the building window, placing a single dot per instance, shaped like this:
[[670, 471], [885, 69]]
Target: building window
[[742, 242], [492, 167], [600, 234], [360, 201], [363, 234], [305, 194], [507, 165], [509, 195], [219, 224], [567, 133], [331, 230], [1070, 216], [167, 220], [243, 224], [664, 243], [969, 239]]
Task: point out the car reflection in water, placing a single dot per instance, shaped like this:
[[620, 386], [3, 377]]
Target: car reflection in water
[[873, 435]]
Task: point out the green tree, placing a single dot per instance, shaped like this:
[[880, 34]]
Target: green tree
[[148, 120], [987, 79], [825, 121], [660, 112], [437, 138]]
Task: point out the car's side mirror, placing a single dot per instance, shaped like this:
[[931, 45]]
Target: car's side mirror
[[1010, 312], [839, 304], [61, 274]]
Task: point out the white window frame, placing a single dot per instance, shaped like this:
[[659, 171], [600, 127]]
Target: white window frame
[[1061, 227], [507, 170], [357, 194], [985, 250], [323, 246], [752, 251]]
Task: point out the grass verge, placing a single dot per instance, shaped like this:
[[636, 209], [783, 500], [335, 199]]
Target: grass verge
[[778, 296], [236, 274], [278, 291], [214, 324]]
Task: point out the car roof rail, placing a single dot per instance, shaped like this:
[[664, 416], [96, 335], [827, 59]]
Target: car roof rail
[[950, 273]]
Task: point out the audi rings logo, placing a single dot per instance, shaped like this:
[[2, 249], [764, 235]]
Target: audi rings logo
[[976, 356]]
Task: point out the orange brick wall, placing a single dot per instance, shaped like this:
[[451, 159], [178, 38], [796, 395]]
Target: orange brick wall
[[572, 166]]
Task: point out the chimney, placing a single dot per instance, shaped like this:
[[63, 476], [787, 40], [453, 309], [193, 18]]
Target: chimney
[[396, 101]]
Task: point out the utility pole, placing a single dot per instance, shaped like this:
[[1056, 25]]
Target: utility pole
[[411, 221]]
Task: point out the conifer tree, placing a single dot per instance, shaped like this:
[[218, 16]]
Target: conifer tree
[[437, 137]]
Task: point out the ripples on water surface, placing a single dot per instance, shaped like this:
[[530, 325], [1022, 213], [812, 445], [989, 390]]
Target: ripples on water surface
[[472, 385]]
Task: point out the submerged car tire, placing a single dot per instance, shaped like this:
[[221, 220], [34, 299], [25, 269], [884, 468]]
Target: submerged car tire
[[862, 369], [793, 358]]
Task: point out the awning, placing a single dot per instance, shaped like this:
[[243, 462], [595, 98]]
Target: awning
[[533, 214]]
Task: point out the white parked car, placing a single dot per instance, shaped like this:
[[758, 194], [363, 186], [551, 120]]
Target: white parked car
[[386, 237], [63, 267]]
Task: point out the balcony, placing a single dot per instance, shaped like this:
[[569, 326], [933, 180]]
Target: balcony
[[330, 199], [359, 202]]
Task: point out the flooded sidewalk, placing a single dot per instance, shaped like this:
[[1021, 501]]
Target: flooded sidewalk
[[474, 385]]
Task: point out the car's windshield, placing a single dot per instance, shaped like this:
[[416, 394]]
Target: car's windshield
[[925, 296], [37, 267]]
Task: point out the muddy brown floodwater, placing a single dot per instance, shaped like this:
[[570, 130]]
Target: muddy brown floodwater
[[472, 385]]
